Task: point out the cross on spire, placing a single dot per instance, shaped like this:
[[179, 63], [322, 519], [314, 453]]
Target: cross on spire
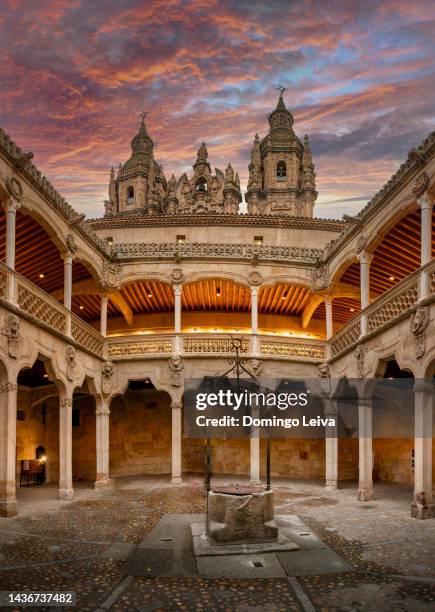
[[142, 116], [281, 89]]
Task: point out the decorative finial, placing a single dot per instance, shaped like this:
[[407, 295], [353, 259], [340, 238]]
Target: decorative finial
[[281, 89], [142, 116]]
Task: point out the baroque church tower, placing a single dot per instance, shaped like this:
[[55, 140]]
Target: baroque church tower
[[140, 182], [281, 172]]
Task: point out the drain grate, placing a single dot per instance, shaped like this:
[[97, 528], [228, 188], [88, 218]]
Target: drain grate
[[166, 539], [257, 564]]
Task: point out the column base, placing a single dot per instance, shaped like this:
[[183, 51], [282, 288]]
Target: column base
[[101, 485], [255, 481], [331, 485], [176, 480], [9, 508], [365, 494], [66, 494], [420, 508]]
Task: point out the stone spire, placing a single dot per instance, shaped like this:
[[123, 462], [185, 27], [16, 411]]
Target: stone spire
[[142, 142], [308, 166], [281, 118], [201, 164]]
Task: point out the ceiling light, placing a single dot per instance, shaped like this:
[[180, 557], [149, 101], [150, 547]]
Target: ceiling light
[[41, 275], [218, 292], [391, 278], [284, 297], [150, 295], [45, 376], [352, 309], [81, 307]]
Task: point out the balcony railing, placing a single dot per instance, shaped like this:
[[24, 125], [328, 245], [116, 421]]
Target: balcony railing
[[43, 309]]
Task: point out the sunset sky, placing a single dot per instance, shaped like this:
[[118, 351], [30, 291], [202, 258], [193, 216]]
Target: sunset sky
[[76, 74]]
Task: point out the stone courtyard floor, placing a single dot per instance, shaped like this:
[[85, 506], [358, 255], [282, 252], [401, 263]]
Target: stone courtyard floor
[[130, 549]]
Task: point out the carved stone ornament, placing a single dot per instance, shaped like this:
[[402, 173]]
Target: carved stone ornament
[[111, 275], [177, 275], [419, 324], [324, 371], [361, 244], [421, 184], [320, 277], [14, 188], [108, 372], [102, 410], [11, 330], [360, 354], [254, 278], [8, 387], [255, 366], [71, 246], [176, 367], [66, 402], [71, 362]]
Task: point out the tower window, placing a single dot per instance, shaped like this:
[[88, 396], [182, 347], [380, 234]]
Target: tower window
[[201, 186], [281, 170], [130, 195]]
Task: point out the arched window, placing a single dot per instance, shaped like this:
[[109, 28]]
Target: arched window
[[201, 186], [130, 195], [281, 170]]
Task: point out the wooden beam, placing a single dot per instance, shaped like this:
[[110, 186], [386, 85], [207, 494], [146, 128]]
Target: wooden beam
[[119, 301], [310, 309], [84, 287]]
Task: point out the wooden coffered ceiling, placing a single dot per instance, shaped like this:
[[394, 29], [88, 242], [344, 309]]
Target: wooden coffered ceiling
[[37, 255], [343, 309], [397, 256]]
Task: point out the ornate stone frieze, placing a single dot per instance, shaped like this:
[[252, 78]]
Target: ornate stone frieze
[[176, 367], [419, 324], [320, 277], [195, 250], [11, 330], [107, 373]]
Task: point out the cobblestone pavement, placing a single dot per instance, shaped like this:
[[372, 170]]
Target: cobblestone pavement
[[82, 546]]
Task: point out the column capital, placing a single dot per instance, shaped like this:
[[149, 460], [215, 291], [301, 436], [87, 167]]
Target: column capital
[[423, 386], [177, 287], [365, 402], [102, 411], [254, 290], [426, 201], [365, 258], [8, 387], [11, 205], [176, 405]]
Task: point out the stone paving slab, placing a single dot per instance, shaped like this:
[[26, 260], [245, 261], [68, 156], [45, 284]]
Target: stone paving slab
[[152, 562], [172, 531], [241, 566], [313, 562], [298, 532]]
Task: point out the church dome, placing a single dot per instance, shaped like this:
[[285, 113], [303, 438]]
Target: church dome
[[142, 142]]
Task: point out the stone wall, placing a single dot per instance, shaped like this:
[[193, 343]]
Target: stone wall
[[348, 459], [392, 460], [140, 433]]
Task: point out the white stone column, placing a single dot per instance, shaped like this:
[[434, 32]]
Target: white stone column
[[422, 506], [67, 288], [102, 416], [365, 486], [364, 261], [11, 206], [426, 203], [8, 428], [176, 442], [254, 321], [66, 491], [177, 318], [103, 314], [254, 449], [329, 322], [331, 447]]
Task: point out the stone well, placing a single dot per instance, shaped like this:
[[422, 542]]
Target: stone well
[[241, 515]]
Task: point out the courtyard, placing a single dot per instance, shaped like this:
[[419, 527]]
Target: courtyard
[[130, 548]]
